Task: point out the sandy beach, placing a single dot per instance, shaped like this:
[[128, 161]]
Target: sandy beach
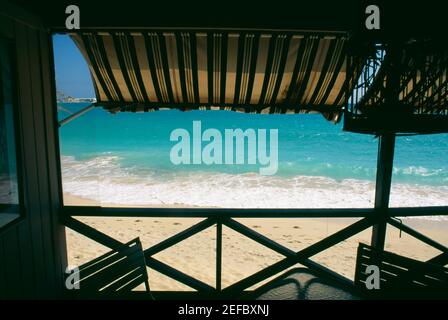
[[242, 256]]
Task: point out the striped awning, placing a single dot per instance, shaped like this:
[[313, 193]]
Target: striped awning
[[257, 72]]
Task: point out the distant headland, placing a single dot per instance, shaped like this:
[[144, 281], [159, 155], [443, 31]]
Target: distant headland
[[62, 97]]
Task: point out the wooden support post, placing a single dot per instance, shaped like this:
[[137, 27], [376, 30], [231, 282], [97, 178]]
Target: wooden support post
[[218, 256], [382, 189], [386, 147]]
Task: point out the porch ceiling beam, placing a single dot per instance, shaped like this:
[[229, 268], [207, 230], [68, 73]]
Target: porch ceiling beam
[[396, 20]]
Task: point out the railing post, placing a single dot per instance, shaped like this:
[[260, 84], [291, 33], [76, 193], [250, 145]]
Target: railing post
[[382, 188], [218, 255]]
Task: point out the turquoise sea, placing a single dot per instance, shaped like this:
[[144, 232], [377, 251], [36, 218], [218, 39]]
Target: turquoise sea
[[124, 158]]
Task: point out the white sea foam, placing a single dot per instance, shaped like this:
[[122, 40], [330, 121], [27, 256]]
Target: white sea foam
[[418, 171], [103, 179]]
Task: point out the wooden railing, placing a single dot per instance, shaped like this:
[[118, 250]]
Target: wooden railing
[[220, 217]]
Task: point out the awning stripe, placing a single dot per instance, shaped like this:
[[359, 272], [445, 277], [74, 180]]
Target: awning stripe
[[132, 62], [183, 66], [95, 68], [334, 75], [210, 66], [267, 67], [331, 71], [354, 69], [160, 77], [99, 90], [118, 72], [308, 62], [140, 51], [274, 75], [154, 70], [282, 59], [125, 68], [105, 61], [102, 68], [223, 69], [174, 69], [162, 55], [232, 48], [201, 47], [194, 66], [249, 71], [328, 57], [298, 66], [239, 68]]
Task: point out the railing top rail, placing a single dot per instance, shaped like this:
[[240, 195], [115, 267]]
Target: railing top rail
[[247, 213], [216, 212]]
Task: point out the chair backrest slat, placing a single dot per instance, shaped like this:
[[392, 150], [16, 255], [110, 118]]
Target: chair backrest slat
[[132, 284], [400, 276], [122, 283], [109, 258], [117, 271], [111, 273]]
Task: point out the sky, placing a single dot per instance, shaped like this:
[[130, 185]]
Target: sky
[[72, 74]]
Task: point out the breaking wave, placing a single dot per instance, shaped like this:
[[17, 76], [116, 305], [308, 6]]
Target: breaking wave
[[104, 180]]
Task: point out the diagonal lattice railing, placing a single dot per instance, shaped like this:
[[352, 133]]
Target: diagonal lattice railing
[[220, 217]]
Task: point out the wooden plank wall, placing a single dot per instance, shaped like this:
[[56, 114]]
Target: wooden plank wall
[[33, 251]]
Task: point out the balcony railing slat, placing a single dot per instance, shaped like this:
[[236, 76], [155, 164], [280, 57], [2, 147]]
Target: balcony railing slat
[[92, 233], [178, 275], [312, 265], [261, 239], [165, 244], [301, 255], [418, 235], [418, 211]]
